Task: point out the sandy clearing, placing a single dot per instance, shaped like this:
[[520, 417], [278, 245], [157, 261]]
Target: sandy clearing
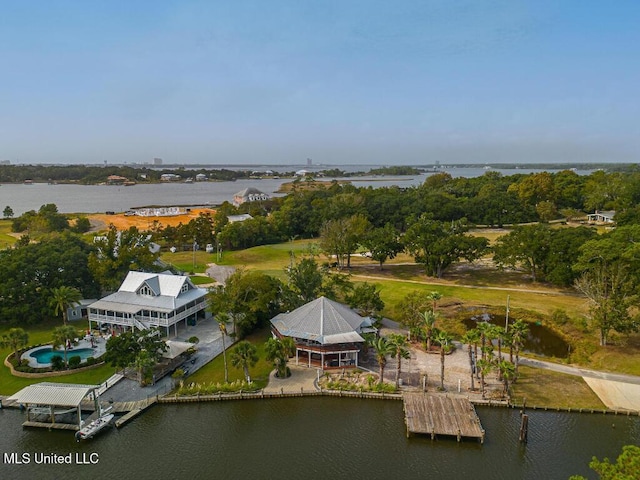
[[122, 222]]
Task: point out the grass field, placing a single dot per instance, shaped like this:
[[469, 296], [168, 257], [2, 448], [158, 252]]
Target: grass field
[[6, 240], [42, 334], [466, 286], [213, 372], [544, 388]]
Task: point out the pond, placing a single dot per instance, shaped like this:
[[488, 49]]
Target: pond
[[540, 341]]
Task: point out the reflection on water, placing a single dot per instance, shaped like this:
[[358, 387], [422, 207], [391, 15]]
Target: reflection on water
[[319, 438], [541, 340]]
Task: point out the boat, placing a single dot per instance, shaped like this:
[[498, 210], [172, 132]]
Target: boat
[[95, 426]]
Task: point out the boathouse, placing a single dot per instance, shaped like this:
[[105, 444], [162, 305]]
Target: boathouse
[[55, 405], [327, 334], [146, 300]]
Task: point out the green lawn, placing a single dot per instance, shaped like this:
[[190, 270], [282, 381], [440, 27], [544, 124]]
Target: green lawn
[[213, 372], [544, 388], [200, 280], [38, 334], [268, 257], [6, 240], [185, 260]]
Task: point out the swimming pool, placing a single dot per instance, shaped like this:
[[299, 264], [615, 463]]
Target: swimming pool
[[43, 355]]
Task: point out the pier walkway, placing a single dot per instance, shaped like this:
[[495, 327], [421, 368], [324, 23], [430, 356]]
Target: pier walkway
[[437, 414]]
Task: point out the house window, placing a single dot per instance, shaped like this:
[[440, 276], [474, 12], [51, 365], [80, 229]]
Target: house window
[[184, 288], [145, 290]]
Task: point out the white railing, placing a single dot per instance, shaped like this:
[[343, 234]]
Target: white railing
[[139, 324], [143, 322]]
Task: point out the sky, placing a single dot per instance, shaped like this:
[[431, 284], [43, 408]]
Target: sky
[[340, 82]]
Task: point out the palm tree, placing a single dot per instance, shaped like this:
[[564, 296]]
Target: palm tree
[[399, 348], [65, 336], [429, 324], [223, 321], [244, 355], [434, 297], [485, 333], [507, 372], [62, 298], [485, 367], [144, 362], [471, 338], [278, 351], [499, 334], [443, 339], [383, 349], [16, 338], [519, 331]]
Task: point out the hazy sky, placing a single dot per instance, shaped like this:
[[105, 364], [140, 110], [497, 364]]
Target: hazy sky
[[341, 82]]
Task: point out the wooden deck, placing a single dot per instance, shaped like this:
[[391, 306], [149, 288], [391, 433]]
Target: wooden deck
[[439, 414]]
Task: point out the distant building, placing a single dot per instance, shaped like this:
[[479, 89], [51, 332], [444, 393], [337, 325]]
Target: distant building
[[157, 161], [201, 177], [170, 177], [249, 195], [239, 218], [601, 217]]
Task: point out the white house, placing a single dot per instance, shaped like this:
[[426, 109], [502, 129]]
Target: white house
[[601, 216], [250, 194], [239, 218], [147, 300]]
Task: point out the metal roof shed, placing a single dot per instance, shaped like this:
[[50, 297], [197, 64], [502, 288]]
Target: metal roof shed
[[39, 396]]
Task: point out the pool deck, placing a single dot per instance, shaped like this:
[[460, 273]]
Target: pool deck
[[99, 348]]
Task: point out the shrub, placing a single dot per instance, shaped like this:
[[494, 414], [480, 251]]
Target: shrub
[[193, 339], [91, 361], [74, 361], [57, 363], [560, 317]]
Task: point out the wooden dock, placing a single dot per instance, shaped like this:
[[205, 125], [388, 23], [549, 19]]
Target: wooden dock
[[133, 409], [52, 426], [439, 414]]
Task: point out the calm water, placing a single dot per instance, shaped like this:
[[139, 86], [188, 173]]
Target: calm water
[[101, 198], [540, 340], [318, 438]]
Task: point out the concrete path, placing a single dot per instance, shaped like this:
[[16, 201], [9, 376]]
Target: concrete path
[[616, 395], [580, 372], [219, 273], [209, 347], [616, 390], [301, 378]]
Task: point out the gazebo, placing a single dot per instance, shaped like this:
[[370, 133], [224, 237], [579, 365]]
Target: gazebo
[[48, 400], [327, 334]]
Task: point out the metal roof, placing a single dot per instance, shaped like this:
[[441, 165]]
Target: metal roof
[[176, 348], [57, 394], [321, 320], [166, 287], [160, 283]]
